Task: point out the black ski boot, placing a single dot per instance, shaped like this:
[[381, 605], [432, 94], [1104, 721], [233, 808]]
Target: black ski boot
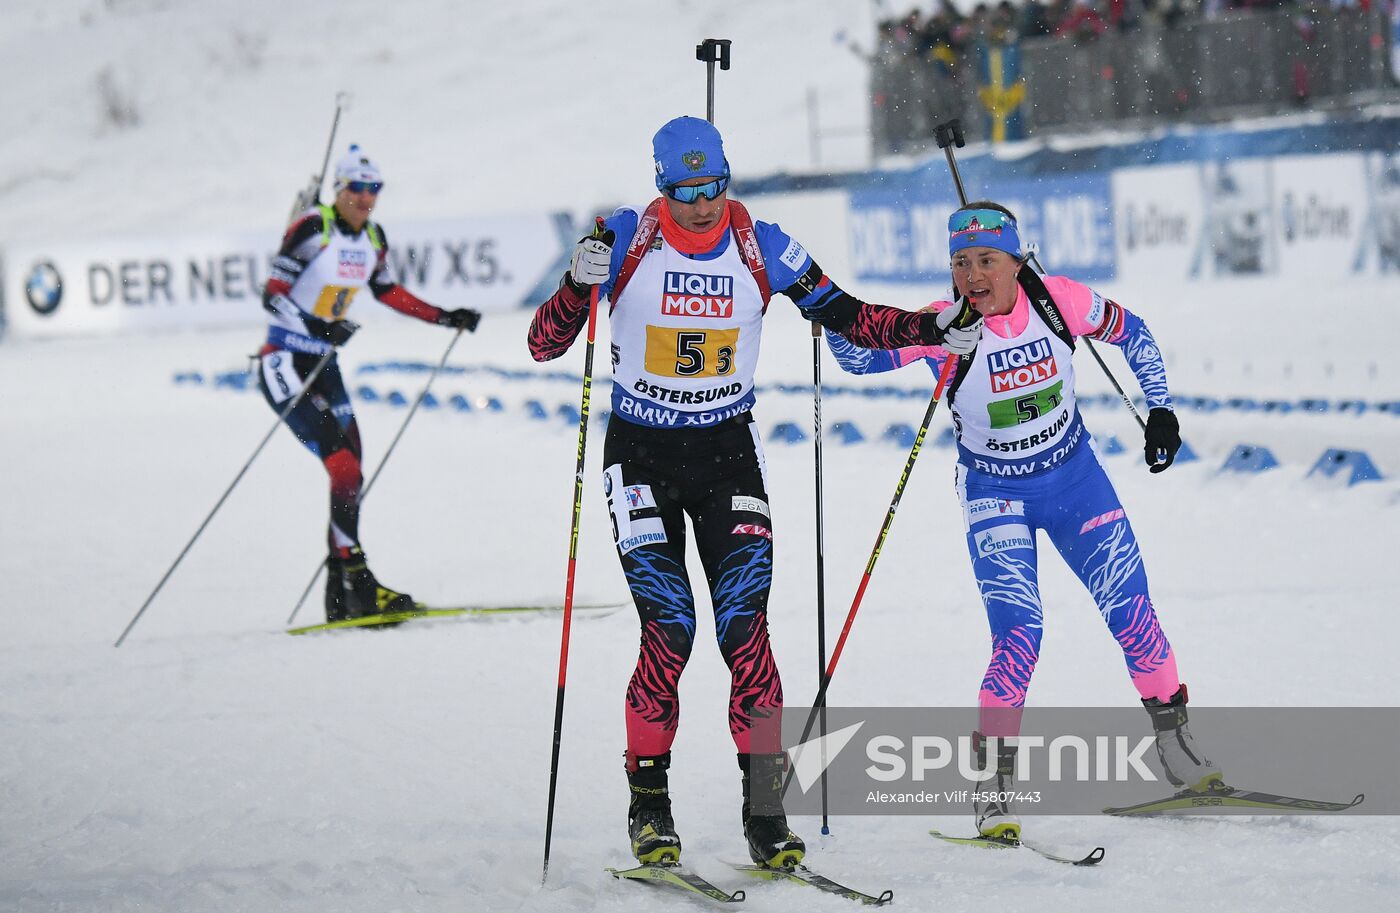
[[996, 815], [1184, 763], [363, 594], [335, 589], [771, 842], [649, 823]]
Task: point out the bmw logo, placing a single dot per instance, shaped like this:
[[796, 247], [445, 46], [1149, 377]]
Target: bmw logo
[[44, 288]]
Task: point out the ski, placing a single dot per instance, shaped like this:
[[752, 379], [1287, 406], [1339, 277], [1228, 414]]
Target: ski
[[803, 875], [673, 876], [389, 619], [1187, 801], [1094, 857]]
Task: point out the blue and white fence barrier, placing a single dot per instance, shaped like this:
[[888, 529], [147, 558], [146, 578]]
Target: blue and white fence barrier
[[1351, 466]]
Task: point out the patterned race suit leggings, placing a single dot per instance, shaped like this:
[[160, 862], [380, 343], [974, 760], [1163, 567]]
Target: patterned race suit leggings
[[1075, 505], [653, 478], [324, 422]]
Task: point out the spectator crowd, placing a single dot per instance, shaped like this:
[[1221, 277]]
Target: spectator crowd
[[925, 60], [944, 33]]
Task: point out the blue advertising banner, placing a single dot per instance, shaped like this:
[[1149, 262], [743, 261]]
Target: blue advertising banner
[[900, 234]]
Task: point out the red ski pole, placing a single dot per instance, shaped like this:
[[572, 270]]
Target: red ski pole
[[949, 369], [573, 562]]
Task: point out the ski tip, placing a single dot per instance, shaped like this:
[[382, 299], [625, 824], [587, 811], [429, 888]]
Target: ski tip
[[1094, 857]]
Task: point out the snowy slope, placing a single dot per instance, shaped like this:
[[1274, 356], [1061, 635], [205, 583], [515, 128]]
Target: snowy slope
[[215, 764], [469, 107]]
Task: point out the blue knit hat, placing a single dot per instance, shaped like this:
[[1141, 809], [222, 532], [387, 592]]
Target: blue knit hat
[[688, 147]]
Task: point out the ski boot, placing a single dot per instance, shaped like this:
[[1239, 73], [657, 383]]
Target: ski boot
[[335, 589], [363, 594], [771, 842], [993, 810], [649, 823], [1184, 764]]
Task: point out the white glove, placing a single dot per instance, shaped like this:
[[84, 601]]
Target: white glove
[[592, 257], [960, 327]]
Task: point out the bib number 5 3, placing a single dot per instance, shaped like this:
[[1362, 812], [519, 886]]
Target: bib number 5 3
[[673, 352]]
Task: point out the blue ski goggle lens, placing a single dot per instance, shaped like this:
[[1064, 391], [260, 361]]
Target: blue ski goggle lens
[[975, 219], [363, 186], [983, 228], [689, 194]]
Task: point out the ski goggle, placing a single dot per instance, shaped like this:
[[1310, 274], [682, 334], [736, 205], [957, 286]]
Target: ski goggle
[[365, 186], [983, 228], [682, 193]]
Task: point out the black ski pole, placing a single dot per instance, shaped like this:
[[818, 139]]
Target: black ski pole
[[949, 135], [817, 333], [712, 51], [380, 468], [286, 410], [819, 703], [311, 196], [573, 562]]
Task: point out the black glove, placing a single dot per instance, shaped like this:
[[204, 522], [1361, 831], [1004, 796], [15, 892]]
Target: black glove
[[460, 319], [1162, 439], [335, 332], [956, 329]]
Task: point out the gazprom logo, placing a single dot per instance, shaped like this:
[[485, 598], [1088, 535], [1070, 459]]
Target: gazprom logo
[[1004, 538], [697, 295]]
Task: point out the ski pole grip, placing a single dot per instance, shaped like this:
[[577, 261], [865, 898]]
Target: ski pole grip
[[967, 316], [949, 134], [714, 50]]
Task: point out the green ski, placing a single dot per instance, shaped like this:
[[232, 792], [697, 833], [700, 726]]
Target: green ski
[[803, 875], [389, 619], [1189, 802], [1093, 857], [673, 876]]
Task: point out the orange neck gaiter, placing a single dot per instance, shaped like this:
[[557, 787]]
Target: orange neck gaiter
[[689, 242]]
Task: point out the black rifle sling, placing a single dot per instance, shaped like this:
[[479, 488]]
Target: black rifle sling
[[1044, 305]]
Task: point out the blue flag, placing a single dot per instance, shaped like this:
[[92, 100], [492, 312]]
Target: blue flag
[[1001, 91]]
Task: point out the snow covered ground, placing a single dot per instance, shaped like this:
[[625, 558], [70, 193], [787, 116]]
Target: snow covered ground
[[214, 764]]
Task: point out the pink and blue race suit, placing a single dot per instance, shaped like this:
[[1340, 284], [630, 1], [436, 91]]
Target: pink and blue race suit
[[1026, 463]]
